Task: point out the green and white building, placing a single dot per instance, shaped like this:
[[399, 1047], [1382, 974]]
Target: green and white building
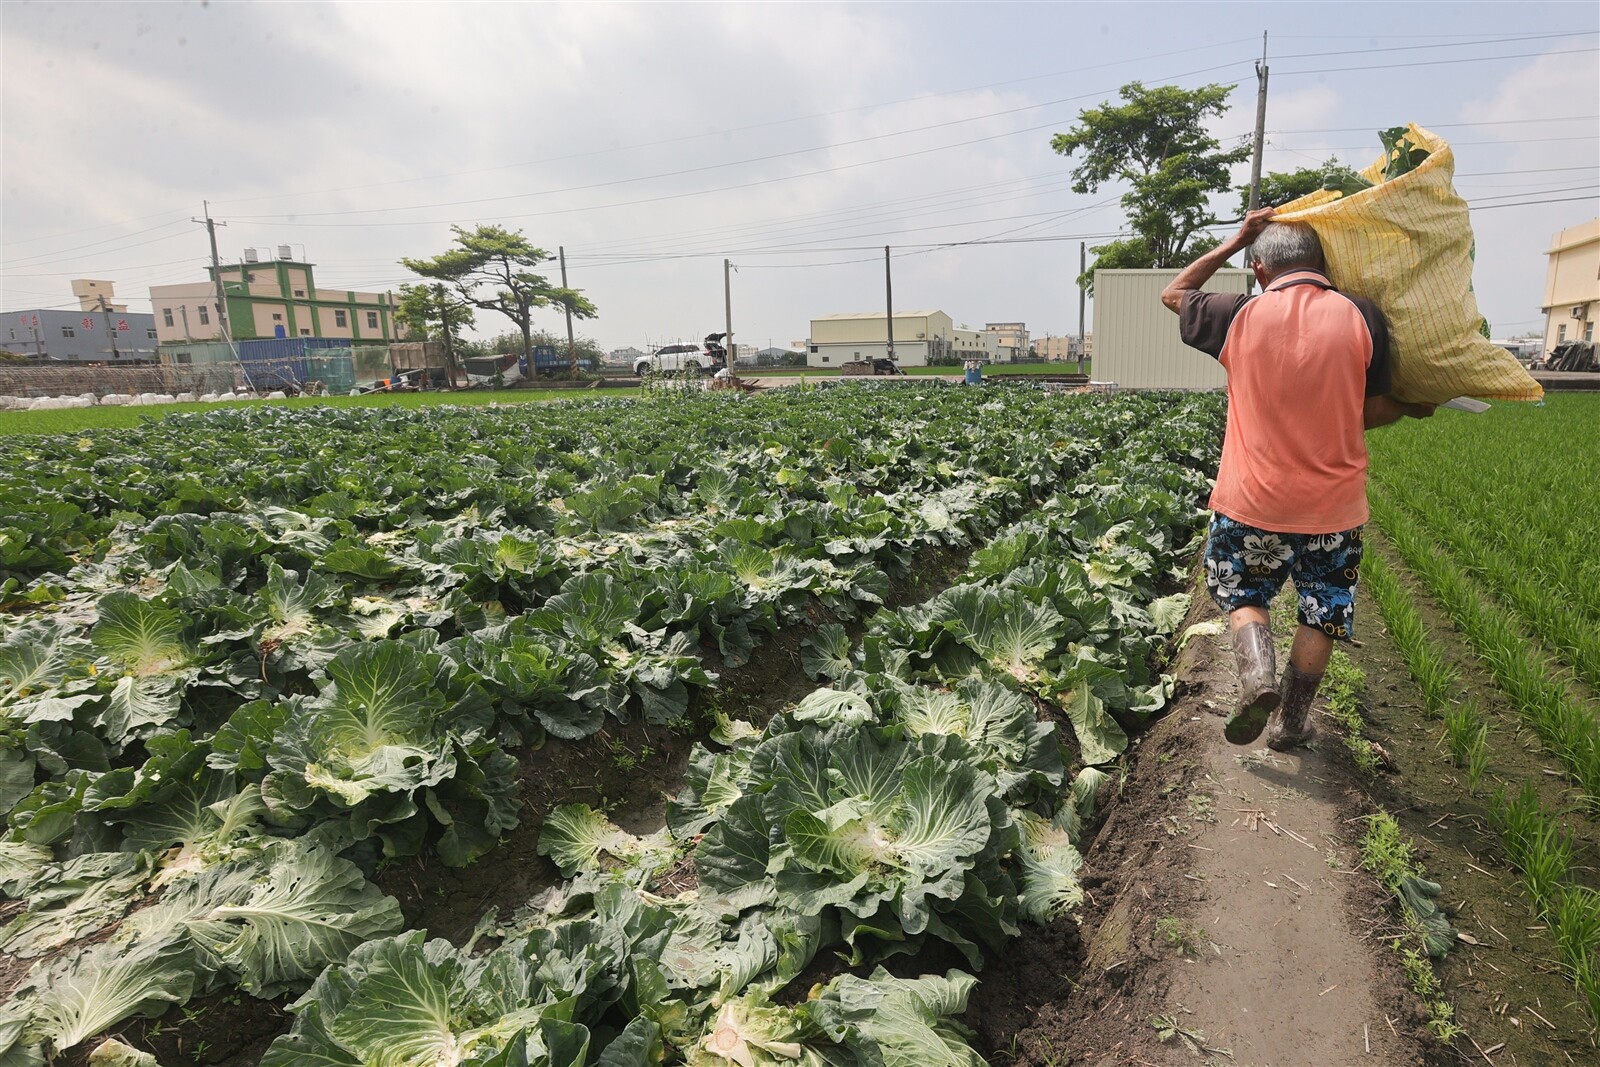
[[270, 298]]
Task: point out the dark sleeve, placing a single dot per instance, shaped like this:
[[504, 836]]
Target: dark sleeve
[[1204, 318], [1379, 373]]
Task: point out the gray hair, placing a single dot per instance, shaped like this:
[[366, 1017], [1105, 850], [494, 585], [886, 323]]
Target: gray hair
[[1286, 246]]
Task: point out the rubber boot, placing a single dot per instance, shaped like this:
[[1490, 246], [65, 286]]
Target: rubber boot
[[1256, 662], [1291, 723]]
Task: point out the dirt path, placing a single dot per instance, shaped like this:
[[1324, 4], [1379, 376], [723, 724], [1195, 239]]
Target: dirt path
[[1281, 977], [1227, 922]]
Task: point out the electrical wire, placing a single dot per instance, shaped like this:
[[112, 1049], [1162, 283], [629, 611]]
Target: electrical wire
[[738, 162], [1436, 62], [9, 262], [753, 126]]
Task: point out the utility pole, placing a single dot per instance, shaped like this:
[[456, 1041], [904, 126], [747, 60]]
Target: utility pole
[[1083, 268], [572, 348], [111, 335], [888, 300], [1261, 125], [216, 268], [727, 307]]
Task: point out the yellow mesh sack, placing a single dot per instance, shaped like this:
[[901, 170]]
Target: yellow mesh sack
[[1406, 245]]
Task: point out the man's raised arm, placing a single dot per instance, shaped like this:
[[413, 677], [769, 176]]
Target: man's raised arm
[[1200, 271]]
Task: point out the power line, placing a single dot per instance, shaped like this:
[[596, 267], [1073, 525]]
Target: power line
[[738, 162], [1452, 44], [1441, 62], [86, 229], [1447, 125], [867, 107], [1453, 144], [755, 126], [103, 251], [1530, 203]]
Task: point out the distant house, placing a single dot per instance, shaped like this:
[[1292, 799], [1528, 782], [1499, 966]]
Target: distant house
[[273, 298], [101, 330], [1062, 348], [1010, 341], [1572, 285], [80, 336], [920, 338]]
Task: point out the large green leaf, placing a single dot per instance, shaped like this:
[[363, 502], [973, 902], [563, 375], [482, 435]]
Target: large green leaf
[[74, 899], [1010, 631], [899, 1022], [1100, 739], [99, 986], [141, 638], [309, 908]]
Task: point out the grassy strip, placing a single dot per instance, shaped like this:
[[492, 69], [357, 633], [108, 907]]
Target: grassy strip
[[1569, 730], [1431, 670], [1342, 685], [74, 420], [1535, 844], [1544, 608], [1540, 547], [1390, 857]]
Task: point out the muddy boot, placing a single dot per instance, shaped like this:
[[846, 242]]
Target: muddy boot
[[1255, 660], [1291, 724]]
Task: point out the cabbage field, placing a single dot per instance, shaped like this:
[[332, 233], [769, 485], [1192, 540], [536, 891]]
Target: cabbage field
[[252, 660]]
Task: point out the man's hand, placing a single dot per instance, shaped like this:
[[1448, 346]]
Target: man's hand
[[1253, 224]]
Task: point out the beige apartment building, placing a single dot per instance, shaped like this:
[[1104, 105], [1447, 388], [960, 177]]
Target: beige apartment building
[[1010, 341], [1572, 285], [275, 298], [1062, 348]]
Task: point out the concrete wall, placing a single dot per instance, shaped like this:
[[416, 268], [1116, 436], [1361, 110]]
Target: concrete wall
[[184, 303], [830, 356], [1136, 337]]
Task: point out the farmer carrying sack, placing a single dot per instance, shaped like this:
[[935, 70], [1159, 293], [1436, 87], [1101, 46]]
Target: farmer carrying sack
[[1406, 245]]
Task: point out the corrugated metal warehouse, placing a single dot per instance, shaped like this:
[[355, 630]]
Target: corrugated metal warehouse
[[1136, 337]]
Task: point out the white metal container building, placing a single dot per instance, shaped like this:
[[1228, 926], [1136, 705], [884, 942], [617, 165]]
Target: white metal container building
[[1136, 337]]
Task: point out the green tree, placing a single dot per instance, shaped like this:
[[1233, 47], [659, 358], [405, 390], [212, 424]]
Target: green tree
[[1280, 187], [587, 347], [492, 268], [1156, 142], [434, 312]]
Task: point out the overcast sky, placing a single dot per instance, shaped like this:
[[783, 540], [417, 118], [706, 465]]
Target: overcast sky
[[653, 140]]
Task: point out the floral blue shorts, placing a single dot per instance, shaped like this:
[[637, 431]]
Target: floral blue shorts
[[1245, 567]]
